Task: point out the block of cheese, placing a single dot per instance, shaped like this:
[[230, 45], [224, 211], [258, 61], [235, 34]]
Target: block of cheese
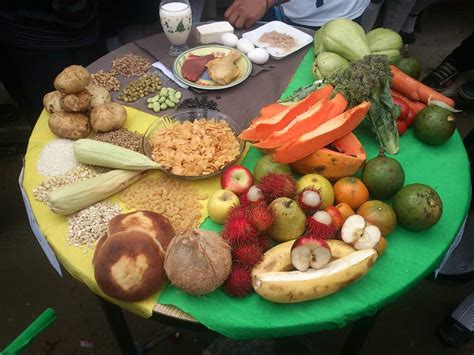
[[212, 32]]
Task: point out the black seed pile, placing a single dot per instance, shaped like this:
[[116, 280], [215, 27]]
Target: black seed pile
[[197, 102]]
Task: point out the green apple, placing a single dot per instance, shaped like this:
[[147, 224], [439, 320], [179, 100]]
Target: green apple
[[220, 205], [319, 182], [290, 219], [267, 165]]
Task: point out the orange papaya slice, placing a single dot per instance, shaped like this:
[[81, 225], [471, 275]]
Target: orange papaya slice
[[323, 135], [274, 109], [263, 127], [338, 105], [344, 158]]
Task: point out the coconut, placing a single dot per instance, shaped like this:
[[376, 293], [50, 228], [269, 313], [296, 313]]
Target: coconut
[[198, 261]]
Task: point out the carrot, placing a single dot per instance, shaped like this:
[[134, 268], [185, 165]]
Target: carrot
[[416, 106], [415, 90], [323, 135]]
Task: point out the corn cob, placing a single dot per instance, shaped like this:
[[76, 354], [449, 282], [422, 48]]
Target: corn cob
[[74, 197], [89, 151]]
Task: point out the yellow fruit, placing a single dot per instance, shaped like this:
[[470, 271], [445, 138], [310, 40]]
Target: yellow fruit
[[317, 181]]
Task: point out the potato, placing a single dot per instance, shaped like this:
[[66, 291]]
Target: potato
[[51, 102], [99, 94], [108, 117], [69, 125], [72, 79], [76, 102]]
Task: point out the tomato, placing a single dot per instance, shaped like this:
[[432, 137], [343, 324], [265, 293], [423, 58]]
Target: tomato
[[401, 126], [411, 117], [404, 107]]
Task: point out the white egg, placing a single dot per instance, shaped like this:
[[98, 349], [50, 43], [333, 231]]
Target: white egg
[[229, 39], [245, 45], [258, 55]]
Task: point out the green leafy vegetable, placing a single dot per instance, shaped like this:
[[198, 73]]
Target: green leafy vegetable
[[369, 79]]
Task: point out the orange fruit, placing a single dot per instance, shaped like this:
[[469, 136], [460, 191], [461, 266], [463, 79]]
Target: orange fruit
[[379, 214], [346, 210], [350, 190]]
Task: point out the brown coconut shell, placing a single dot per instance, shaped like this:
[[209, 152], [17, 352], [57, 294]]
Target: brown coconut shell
[[129, 266], [198, 261]]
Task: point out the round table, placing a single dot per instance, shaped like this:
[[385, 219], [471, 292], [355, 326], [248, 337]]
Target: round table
[[409, 257]]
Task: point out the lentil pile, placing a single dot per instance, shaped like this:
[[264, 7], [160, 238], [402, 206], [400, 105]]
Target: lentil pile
[[130, 64], [106, 80], [123, 138], [56, 158], [80, 173], [137, 89], [196, 102], [89, 224], [175, 199]]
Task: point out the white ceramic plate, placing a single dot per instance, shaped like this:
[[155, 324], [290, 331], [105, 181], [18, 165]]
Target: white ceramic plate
[[302, 39]]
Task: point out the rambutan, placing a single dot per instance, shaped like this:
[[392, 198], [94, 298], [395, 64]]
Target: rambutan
[[252, 195], [238, 230], [317, 226], [236, 213], [309, 200], [247, 255], [239, 282], [264, 242], [275, 185], [259, 216]]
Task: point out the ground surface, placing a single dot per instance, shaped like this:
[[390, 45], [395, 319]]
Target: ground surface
[[29, 284]]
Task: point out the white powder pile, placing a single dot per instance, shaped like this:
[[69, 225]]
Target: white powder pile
[[57, 158]]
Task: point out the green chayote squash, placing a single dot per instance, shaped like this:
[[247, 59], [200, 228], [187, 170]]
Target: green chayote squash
[[383, 39], [346, 38], [393, 55], [326, 63]]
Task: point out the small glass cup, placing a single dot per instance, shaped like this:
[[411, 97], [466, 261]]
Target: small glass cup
[[176, 20]]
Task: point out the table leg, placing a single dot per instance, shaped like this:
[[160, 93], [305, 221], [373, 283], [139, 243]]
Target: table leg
[[358, 335], [119, 327]]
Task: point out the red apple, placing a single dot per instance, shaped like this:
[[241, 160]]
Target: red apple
[[310, 251], [237, 179]]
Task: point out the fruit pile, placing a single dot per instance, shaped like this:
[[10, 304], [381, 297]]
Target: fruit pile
[[329, 235]]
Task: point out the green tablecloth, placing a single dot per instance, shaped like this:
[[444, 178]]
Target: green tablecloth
[[409, 256]]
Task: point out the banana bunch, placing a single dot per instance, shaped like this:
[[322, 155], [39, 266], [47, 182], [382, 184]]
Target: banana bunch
[[274, 280]]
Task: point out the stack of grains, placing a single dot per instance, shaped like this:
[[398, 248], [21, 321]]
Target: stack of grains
[[123, 138], [129, 65], [106, 80], [56, 158]]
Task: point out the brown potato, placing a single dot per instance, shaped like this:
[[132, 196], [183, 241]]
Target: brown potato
[[76, 102], [99, 94], [51, 102], [69, 125], [72, 79], [108, 117]]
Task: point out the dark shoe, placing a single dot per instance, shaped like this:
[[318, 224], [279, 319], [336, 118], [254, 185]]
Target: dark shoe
[[408, 38], [442, 76], [466, 91], [454, 333]]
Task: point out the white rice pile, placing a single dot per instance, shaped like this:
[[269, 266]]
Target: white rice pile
[[57, 158]]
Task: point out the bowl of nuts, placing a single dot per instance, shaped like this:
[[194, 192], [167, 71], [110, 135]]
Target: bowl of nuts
[[195, 143]]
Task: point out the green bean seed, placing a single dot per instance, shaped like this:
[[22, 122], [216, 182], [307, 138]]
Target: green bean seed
[[178, 95], [164, 106], [156, 106], [170, 103], [162, 99], [150, 105], [174, 99]]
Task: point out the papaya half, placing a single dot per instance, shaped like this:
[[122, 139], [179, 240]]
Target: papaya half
[[345, 159]]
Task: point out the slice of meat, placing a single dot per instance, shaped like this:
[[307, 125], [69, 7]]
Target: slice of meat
[[194, 66]]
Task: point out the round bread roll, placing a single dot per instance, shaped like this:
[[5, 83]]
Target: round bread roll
[[151, 223], [129, 266], [76, 102], [72, 79]]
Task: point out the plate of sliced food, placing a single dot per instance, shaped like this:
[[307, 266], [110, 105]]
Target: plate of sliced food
[[212, 67]]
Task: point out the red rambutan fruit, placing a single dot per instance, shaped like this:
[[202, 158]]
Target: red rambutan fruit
[[319, 229], [238, 230], [239, 282], [247, 255], [309, 200], [275, 185], [252, 195], [236, 213], [264, 242], [259, 216]]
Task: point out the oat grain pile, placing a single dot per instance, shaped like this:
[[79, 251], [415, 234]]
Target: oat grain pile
[[195, 148], [129, 65]]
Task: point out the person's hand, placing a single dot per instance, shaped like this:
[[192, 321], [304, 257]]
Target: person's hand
[[246, 12]]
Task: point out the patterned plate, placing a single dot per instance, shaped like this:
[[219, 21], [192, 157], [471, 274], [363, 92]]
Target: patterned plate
[[205, 82]]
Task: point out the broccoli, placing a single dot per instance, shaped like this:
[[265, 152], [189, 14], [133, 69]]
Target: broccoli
[[369, 79]]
